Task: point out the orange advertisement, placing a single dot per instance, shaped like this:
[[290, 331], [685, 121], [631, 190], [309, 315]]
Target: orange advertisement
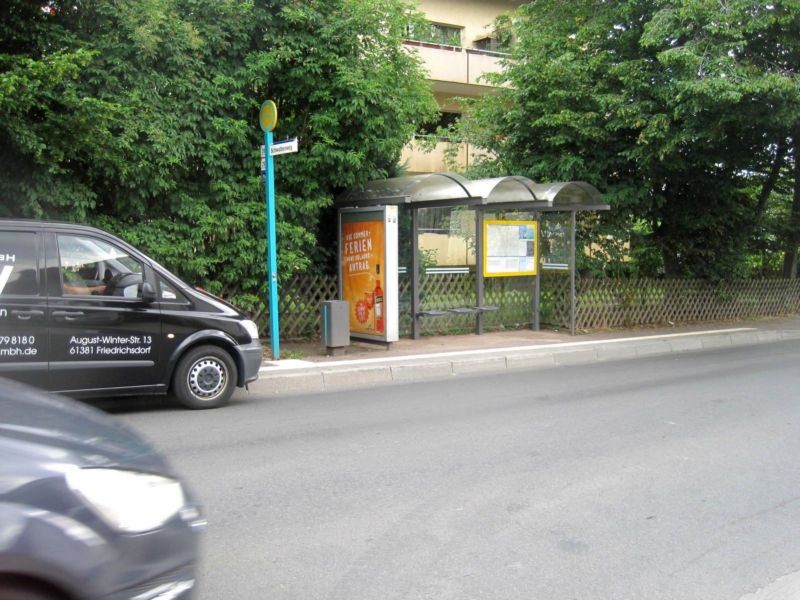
[[363, 284]]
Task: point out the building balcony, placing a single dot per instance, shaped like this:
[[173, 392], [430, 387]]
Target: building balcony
[[457, 70]]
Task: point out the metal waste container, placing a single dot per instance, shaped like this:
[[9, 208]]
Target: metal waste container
[[335, 326]]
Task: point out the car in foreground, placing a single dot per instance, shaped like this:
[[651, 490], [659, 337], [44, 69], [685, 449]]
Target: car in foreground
[[88, 509]]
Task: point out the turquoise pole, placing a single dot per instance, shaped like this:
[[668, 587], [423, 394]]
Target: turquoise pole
[[272, 254]]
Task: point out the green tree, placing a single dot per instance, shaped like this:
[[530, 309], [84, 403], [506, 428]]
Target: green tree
[[680, 112], [142, 118], [47, 122]]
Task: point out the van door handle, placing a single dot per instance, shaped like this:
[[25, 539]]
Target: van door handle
[[25, 315], [68, 315]]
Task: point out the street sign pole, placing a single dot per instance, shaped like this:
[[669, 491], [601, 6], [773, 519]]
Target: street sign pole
[[272, 254], [268, 118]]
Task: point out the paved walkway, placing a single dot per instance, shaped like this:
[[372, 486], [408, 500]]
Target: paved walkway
[[306, 367]]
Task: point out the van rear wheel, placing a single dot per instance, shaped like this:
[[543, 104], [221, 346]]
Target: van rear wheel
[[205, 377]]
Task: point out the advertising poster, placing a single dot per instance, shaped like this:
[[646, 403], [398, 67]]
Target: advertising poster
[[363, 275], [511, 248], [368, 271]]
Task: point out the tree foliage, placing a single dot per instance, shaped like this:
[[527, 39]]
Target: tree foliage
[[142, 118], [682, 112]]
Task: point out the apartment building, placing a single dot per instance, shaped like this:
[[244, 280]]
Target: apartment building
[[459, 45]]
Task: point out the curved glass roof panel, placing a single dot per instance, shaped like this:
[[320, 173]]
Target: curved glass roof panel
[[570, 193], [456, 190], [431, 187], [504, 190]]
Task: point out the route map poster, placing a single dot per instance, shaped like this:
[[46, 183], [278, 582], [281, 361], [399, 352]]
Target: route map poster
[[368, 271], [511, 248]]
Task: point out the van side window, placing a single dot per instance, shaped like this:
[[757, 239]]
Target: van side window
[[19, 275], [93, 267], [169, 293]]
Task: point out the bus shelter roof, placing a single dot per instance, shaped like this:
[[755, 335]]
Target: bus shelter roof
[[451, 189], [430, 188]]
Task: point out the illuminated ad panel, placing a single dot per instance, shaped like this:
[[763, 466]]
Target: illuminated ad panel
[[368, 271]]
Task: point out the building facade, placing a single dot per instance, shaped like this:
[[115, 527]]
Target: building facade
[[458, 47]]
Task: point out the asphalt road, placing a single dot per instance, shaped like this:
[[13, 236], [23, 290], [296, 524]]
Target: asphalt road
[[671, 477]]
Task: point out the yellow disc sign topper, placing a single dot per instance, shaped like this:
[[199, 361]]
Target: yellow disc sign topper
[[268, 116]]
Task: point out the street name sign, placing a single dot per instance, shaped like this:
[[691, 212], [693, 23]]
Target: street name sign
[[284, 147]]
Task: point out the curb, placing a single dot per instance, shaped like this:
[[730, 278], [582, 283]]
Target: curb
[[301, 377]]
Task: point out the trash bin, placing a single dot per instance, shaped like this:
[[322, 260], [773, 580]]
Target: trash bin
[[335, 326]]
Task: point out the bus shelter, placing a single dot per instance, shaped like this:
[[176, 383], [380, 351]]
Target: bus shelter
[[502, 246]]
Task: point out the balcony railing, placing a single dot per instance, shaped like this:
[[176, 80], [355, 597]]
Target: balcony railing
[[456, 64]]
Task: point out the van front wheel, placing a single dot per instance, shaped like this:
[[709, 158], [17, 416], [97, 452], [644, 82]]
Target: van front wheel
[[205, 378]]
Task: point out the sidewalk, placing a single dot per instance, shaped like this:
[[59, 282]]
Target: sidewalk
[[305, 368]]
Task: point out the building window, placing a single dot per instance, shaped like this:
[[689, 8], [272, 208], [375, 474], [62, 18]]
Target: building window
[[443, 128], [436, 33], [498, 40], [487, 43]]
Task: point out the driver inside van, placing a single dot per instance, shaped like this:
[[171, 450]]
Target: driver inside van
[[74, 283]]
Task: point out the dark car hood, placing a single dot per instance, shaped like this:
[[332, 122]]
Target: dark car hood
[[89, 436], [220, 304]]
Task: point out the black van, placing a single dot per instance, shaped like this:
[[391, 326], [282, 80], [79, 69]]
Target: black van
[[85, 314]]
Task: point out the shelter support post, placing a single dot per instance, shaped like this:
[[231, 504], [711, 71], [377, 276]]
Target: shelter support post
[[479, 241], [416, 325], [537, 280], [572, 268]]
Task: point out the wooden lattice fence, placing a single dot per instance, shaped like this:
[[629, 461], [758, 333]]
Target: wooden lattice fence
[[600, 304], [554, 300], [299, 301], [603, 303]]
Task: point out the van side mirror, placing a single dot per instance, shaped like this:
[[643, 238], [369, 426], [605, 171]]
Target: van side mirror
[[148, 293]]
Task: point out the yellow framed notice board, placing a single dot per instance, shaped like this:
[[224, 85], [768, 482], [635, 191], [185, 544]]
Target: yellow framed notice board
[[510, 248]]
